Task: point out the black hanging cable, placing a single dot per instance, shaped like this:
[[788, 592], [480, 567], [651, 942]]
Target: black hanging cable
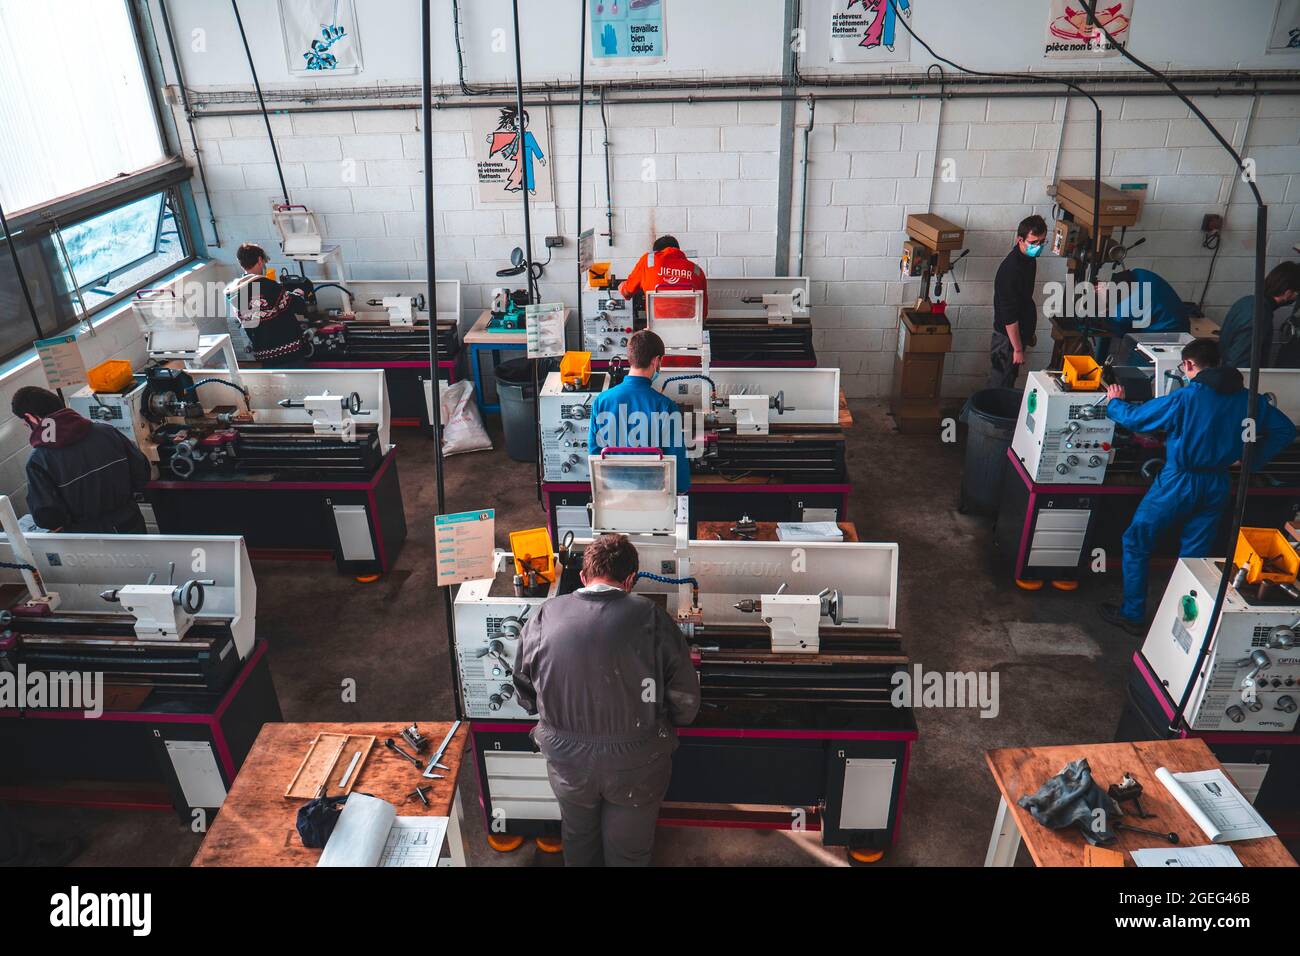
[[609, 191], [189, 121], [431, 296], [22, 276], [582, 96], [266, 117], [1262, 315], [1095, 267]]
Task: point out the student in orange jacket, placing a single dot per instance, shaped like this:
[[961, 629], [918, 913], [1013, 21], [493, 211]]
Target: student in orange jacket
[[665, 268]]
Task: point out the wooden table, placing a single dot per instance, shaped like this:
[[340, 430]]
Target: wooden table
[[1022, 770], [721, 531], [257, 823]]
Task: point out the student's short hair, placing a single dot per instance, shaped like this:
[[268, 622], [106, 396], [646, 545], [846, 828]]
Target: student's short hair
[[1284, 277], [249, 253], [665, 242], [1204, 352], [1034, 225], [34, 400], [643, 348], [611, 556]]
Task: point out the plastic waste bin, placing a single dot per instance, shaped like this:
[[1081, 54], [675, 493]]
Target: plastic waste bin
[[990, 415], [518, 408]]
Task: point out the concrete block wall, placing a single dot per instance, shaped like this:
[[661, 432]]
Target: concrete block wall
[[708, 174]]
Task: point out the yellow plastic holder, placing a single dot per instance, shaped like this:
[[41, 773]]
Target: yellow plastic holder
[[532, 551], [1082, 373], [598, 275], [112, 376], [575, 368], [1266, 555]]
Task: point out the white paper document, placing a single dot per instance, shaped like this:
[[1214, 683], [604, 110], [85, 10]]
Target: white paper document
[[808, 531], [1186, 856], [370, 833], [1216, 805]]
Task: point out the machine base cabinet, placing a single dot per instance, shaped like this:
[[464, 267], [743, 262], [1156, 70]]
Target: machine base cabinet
[[149, 758], [847, 784]]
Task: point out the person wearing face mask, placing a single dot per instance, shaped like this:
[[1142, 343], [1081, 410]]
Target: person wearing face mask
[[634, 414], [1015, 314], [1203, 427]]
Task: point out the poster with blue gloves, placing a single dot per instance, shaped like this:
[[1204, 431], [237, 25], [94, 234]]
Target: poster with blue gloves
[[320, 37], [626, 30]]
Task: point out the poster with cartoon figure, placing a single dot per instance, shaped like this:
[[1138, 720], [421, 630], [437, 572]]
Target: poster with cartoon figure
[[320, 37], [503, 167], [1069, 35], [864, 31], [1285, 37], [626, 30]]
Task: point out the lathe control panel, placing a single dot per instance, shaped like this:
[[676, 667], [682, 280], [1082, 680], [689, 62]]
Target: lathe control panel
[[487, 645], [607, 324], [1251, 679], [1062, 436], [565, 416]]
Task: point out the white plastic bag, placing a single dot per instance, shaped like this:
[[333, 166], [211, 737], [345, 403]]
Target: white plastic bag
[[462, 428]]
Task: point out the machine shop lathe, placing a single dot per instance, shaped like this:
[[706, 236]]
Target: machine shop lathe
[[165, 625], [761, 320], [795, 654], [1245, 697]]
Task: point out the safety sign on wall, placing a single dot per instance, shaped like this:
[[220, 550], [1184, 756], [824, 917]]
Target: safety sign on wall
[[504, 169], [61, 359], [320, 37], [463, 546], [864, 31], [626, 30], [1070, 35]]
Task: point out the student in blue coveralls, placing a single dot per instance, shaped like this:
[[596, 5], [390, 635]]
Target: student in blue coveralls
[[1203, 424], [633, 414], [1151, 305]]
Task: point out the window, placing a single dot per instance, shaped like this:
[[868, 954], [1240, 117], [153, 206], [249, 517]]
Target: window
[[75, 103], [87, 266], [118, 251]]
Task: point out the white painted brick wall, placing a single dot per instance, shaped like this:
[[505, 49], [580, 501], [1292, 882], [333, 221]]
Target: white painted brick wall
[[714, 185]]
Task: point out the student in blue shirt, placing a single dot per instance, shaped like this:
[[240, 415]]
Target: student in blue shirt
[[633, 414], [1165, 310], [1281, 286]]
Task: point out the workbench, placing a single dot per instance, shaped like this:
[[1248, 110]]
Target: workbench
[[292, 518], [257, 825], [1019, 771], [765, 531], [405, 378]]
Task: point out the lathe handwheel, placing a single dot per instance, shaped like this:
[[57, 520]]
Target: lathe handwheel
[[354, 403], [189, 597], [182, 466]]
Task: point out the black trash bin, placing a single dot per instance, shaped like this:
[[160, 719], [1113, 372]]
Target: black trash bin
[[991, 416], [518, 408]]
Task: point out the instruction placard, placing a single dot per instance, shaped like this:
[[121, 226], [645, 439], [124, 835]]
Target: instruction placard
[[627, 30], [463, 545], [545, 329], [863, 31], [61, 359]]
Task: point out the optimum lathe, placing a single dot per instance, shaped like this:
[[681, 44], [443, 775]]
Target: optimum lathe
[[160, 631], [795, 647], [761, 321], [1243, 700]]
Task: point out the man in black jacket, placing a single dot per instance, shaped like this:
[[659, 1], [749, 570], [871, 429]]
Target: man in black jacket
[[609, 675], [82, 475], [1015, 314], [266, 310]]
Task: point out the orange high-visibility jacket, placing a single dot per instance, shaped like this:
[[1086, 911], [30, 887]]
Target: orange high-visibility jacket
[[666, 271]]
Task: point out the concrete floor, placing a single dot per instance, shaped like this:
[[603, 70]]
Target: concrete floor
[[1061, 670]]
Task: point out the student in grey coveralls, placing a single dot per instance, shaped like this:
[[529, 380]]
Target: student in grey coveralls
[[609, 675]]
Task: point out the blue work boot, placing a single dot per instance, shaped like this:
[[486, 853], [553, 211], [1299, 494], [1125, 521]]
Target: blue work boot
[[1114, 614]]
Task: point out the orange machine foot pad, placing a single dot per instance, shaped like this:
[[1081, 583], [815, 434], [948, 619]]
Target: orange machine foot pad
[[367, 578], [549, 844], [504, 844], [866, 856], [1066, 585], [1029, 585]]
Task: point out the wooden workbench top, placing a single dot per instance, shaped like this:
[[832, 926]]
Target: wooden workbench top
[[479, 335], [721, 531], [1019, 771], [257, 825]]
